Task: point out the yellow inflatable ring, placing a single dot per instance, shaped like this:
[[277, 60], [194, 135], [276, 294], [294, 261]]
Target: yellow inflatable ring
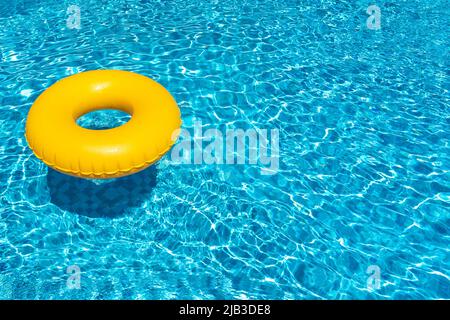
[[56, 138]]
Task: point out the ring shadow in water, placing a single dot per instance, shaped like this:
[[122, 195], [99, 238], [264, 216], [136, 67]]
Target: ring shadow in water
[[103, 198]]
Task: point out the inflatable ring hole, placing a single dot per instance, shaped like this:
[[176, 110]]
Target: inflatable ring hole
[[103, 119]]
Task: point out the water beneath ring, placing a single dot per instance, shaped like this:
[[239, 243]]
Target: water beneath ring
[[103, 119]]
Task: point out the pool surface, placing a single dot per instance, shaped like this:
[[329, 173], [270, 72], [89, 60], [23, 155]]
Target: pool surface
[[359, 207]]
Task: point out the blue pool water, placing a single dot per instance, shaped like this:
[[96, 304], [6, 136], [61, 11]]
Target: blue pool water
[[363, 179]]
